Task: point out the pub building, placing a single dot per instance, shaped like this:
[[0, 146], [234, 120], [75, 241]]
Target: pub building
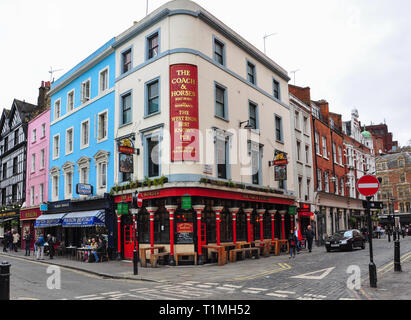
[[184, 219], [74, 221], [9, 219], [28, 218]]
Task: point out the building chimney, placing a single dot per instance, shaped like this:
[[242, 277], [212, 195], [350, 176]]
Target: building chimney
[[43, 100]]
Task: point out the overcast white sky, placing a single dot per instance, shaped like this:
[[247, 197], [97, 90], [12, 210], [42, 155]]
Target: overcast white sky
[[353, 53]]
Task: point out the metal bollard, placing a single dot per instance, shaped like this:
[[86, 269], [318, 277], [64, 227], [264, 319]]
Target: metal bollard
[[397, 258], [5, 280]]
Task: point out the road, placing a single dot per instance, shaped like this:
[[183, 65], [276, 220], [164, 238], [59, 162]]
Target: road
[[310, 276]]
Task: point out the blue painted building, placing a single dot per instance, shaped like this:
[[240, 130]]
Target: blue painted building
[[81, 147]]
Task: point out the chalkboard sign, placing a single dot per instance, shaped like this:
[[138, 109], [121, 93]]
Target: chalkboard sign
[[184, 237]]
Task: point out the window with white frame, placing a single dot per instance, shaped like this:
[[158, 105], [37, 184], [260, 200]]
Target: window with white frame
[[34, 135], [70, 101], [276, 88], [83, 165], [69, 140], [152, 46], [41, 193], [56, 146], [55, 174], [32, 196], [334, 153], [305, 125], [298, 150], [319, 180], [308, 188], [222, 144], [219, 52], [85, 91], [42, 158], [300, 187], [297, 120], [324, 142], [43, 130], [68, 185], [340, 155], [317, 143], [342, 186], [251, 72], [57, 109], [104, 80], [326, 182], [101, 160], [307, 154], [85, 134], [102, 126], [33, 162], [336, 186]]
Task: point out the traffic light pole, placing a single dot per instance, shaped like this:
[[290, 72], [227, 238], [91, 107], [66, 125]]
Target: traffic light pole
[[372, 268]]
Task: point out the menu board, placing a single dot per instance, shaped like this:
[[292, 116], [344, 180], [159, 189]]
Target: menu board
[[184, 123], [185, 233]]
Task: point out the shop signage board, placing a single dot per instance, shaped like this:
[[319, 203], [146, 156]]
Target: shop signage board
[[185, 227], [84, 189], [368, 185], [30, 214], [292, 210], [122, 208], [184, 123], [43, 207], [186, 202]]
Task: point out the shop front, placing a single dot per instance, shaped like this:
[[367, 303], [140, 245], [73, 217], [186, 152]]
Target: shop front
[[28, 218], [184, 219], [75, 222], [9, 219]]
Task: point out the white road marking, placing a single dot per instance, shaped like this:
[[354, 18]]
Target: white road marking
[[232, 286], [203, 286], [139, 289], [310, 275], [212, 283], [110, 293], [277, 295], [89, 296], [250, 291], [119, 295], [346, 299], [286, 292], [224, 288], [258, 289], [95, 298]]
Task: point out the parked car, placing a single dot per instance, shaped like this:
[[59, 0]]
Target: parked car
[[345, 239]]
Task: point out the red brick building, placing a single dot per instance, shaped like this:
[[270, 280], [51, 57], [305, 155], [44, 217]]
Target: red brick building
[[382, 139]]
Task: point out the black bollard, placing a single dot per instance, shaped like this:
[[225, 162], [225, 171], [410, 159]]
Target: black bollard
[[397, 259], [5, 281]]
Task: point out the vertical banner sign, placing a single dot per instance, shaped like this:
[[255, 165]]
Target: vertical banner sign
[[184, 113]]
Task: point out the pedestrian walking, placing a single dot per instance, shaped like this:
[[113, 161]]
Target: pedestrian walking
[[27, 242], [309, 234], [10, 239], [292, 239], [51, 242], [4, 242], [16, 239], [40, 247]]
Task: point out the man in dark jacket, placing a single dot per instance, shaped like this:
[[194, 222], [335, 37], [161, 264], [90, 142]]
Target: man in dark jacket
[[27, 242], [51, 242], [309, 234]]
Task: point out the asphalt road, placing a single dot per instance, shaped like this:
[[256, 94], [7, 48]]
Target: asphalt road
[[310, 276]]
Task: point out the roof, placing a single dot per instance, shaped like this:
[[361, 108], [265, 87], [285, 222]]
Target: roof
[[392, 159]]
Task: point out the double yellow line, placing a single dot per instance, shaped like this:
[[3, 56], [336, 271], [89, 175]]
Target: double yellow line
[[283, 267]]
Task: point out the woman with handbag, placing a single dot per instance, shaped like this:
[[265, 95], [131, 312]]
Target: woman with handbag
[[293, 243]]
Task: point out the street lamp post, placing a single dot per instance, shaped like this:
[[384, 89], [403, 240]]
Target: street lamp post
[[372, 268], [134, 211]]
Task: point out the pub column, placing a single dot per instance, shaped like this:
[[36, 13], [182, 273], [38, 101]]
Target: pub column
[[118, 235], [199, 210], [272, 213], [283, 212], [248, 212], [151, 211], [261, 212], [234, 212], [171, 210], [217, 211]]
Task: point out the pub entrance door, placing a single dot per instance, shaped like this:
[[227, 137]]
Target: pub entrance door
[[128, 236]]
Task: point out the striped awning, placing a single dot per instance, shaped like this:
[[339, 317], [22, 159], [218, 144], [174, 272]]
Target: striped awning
[[95, 218], [49, 220]]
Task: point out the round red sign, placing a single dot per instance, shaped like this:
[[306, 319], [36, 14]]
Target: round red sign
[[368, 185], [140, 200]]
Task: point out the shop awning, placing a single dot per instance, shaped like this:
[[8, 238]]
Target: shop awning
[[85, 219], [49, 220]]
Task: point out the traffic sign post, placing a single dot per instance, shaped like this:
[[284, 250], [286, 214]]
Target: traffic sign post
[[368, 186]]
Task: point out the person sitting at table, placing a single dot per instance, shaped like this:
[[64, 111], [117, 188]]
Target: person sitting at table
[[94, 247]]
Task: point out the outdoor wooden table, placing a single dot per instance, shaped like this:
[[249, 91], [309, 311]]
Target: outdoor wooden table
[[276, 246], [242, 244], [281, 242], [220, 252], [80, 252], [143, 261]]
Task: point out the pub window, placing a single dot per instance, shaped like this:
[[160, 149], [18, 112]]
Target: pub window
[[153, 45], [251, 72], [126, 108], [226, 227], [219, 55], [126, 62], [222, 158], [161, 227], [278, 129], [220, 102], [252, 114], [152, 157], [152, 105], [276, 88]]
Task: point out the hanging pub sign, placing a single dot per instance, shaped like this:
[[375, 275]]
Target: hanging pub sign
[[84, 189], [126, 152], [186, 202], [184, 122], [122, 208], [280, 158], [280, 173], [292, 210]]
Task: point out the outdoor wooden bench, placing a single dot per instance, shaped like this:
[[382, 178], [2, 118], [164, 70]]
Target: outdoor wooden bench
[[254, 251], [155, 256], [194, 254], [143, 254]]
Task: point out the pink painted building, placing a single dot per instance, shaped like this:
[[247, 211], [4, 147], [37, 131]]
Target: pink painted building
[[37, 171]]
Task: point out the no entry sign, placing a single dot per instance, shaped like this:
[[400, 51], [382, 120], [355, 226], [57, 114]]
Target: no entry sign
[[368, 185]]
